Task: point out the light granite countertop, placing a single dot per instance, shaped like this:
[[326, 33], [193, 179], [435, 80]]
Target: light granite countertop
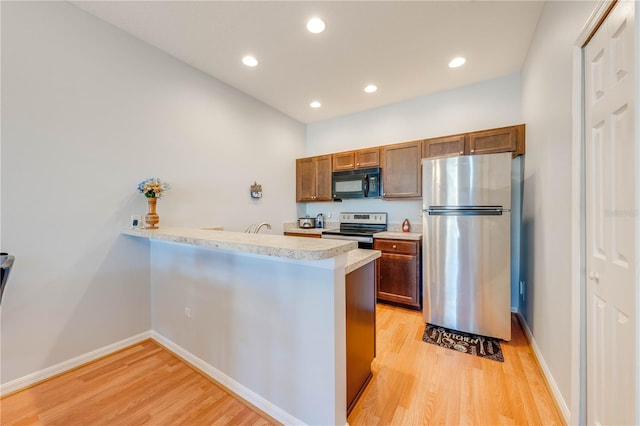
[[360, 257], [413, 236], [293, 227], [263, 244]]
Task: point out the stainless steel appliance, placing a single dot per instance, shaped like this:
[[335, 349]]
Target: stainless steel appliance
[[358, 227], [467, 243], [306, 222], [361, 183]]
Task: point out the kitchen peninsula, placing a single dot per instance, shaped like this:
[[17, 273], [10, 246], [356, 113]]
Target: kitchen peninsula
[[264, 315]]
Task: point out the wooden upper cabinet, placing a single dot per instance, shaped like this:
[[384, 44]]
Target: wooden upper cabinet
[[401, 170], [323, 178], [368, 158], [447, 146], [351, 160], [344, 160], [503, 139], [313, 179]]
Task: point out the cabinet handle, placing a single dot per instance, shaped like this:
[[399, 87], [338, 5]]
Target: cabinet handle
[[357, 164], [473, 150], [461, 152], [394, 246]]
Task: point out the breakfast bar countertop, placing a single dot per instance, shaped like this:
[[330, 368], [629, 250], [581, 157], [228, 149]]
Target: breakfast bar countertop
[[262, 244], [360, 257]]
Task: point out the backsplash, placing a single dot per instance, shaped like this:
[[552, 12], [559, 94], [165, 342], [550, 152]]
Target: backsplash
[[398, 211]]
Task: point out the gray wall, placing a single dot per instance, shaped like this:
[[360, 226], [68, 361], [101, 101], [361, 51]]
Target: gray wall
[[88, 112], [485, 105], [547, 78]]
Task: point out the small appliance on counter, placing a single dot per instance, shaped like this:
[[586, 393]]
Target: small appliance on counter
[[306, 222], [320, 221]]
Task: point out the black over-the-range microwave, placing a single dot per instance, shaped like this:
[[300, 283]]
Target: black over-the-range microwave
[[361, 183]]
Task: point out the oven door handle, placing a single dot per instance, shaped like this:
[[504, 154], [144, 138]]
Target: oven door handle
[[348, 237]]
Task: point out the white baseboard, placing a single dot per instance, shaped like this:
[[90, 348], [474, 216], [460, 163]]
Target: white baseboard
[[243, 392], [67, 365], [562, 404]]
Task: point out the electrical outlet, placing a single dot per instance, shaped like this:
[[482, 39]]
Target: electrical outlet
[[187, 312]]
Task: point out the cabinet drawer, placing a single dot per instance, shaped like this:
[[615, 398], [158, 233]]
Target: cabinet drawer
[[396, 246]]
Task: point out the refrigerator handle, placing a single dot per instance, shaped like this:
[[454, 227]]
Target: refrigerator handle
[[462, 211]]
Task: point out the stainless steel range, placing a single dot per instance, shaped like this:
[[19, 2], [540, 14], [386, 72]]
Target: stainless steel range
[[358, 227]]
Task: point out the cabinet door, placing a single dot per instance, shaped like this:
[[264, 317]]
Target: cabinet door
[[368, 158], [360, 301], [323, 178], [448, 146], [401, 170], [503, 139], [305, 179], [398, 279], [344, 160]]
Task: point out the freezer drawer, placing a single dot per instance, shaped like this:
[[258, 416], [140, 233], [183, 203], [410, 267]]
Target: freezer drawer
[[467, 272]]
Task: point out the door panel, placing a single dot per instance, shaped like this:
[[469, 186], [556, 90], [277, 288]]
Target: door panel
[[611, 220], [471, 180], [467, 274]]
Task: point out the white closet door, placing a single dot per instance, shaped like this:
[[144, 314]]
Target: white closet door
[[611, 219]]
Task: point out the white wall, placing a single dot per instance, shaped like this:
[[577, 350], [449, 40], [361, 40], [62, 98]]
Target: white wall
[[546, 257], [485, 105], [278, 343], [87, 112]]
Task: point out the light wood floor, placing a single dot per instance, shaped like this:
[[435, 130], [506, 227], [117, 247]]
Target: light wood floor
[[414, 383], [417, 383], [144, 384]]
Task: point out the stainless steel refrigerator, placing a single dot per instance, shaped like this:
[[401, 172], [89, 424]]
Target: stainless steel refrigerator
[[467, 243]]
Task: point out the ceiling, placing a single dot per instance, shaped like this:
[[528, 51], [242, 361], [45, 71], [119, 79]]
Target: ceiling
[[402, 47]]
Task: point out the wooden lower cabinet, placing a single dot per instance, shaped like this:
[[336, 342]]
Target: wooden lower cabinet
[[399, 272], [360, 301], [301, 234]]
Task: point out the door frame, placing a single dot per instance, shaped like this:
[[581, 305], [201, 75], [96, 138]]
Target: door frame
[[577, 404]]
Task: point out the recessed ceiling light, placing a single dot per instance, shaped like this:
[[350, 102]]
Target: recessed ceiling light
[[315, 104], [370, 88], [457, 62], [315, 25], [250, 61]]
